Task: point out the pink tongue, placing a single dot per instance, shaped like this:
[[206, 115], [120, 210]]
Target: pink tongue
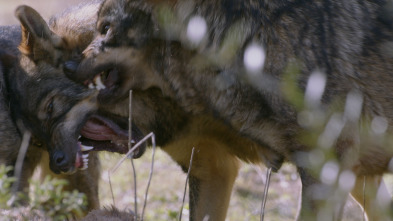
[[96, 131], [78, 162]]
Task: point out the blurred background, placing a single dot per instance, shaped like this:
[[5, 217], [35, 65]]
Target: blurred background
[[45, 7], [167, 186]]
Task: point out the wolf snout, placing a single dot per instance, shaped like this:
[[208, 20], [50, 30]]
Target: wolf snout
[[61, 162]]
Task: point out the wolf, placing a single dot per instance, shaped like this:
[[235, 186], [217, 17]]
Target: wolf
[[36, 96], [346, 44], [216, 145], [22, 109]]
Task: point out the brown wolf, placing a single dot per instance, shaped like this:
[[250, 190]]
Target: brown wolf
[[37, 97], [348, 42], [216, 145]]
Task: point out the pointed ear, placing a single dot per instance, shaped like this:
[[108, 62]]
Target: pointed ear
[[37, 39]]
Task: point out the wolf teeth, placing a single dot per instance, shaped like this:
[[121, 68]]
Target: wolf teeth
[[86, 148], [85, 162], [91, 85], [98, 83], [85, 166], [85, 156]]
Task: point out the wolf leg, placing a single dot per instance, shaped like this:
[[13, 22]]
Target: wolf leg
[[372, 194], [212, 176], [308, 206]]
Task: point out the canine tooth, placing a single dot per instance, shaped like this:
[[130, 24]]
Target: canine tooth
[[98, 83], [133, 141], [85, 166], [85, 156], [86, 148], [91, 85], [79, 137]]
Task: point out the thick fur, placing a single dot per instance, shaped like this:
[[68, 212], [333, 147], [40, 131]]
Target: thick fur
[[37, 97], [350, 42], [217, 146], [110, 214]]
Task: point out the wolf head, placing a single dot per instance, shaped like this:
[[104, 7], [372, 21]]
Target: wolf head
[[123, 32], [43, 101], [57, 111], [127, 53]]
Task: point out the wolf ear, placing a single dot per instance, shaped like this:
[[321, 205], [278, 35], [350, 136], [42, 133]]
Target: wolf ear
[[38, 41]]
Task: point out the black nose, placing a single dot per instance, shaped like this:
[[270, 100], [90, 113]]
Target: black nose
[[70, 66], [60, 160]]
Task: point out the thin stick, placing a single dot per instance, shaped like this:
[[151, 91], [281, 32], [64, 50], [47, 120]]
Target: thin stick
[[131, 151], [19, 164], [131, 156], [185, 187], [268, 174], [135, 189], [110, 186], [153, 143], [130, 120], [364, 197]]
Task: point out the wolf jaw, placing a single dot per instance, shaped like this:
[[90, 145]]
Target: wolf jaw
[[102, 134]]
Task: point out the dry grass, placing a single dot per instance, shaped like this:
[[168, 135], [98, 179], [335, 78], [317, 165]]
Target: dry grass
[[166, 191]]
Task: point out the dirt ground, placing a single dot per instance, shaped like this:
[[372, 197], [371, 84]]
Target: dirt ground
[[167, 186]]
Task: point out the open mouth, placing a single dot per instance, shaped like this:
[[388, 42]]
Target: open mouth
[[102, 134], [106, 81]]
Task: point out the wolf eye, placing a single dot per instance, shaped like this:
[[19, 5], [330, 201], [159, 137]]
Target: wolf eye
[[104, 29], [49, 108]]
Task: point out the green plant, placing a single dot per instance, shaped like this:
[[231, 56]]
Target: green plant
[[50, 196], [48, 199], [5, 185]]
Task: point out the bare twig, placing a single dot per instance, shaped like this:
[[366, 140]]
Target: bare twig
[[135, 189], [268, 174], [130, 122], [364, 198], [153, 143], [19, 164], [110, 186], [185, 187], [131, 151], [131, 156]]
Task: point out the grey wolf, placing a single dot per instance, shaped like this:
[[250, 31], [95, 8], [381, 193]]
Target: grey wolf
[[34, 99], [348, 42], [36, 96]]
